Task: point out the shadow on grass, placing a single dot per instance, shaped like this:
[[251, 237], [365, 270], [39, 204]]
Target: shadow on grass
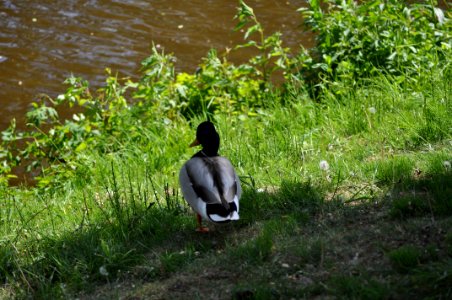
[[300, 199], [160, 239], [151, 244], [416, 196], [95, 253]]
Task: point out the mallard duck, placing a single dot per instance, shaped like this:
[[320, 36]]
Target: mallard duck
[[209, 182]]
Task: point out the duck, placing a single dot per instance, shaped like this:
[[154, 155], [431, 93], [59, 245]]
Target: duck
[[209, 182]]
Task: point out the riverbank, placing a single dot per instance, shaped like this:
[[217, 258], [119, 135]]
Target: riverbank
[[345, 167], [329, 209]]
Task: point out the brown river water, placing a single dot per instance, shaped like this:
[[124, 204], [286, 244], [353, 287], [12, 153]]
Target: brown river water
[[44, 42]]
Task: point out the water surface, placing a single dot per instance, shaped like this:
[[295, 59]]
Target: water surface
[[43, 42]]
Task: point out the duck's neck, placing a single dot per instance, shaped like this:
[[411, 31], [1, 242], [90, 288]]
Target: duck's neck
[[210, 144], [207, 153]]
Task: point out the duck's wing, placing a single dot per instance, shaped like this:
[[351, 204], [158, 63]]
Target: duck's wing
[[197, 182], [230, 183]]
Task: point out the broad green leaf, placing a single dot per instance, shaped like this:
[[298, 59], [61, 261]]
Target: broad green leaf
[[82, 146]]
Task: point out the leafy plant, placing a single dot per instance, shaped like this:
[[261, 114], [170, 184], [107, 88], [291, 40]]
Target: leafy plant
[[272, 56], [107, 193], [360, 39]]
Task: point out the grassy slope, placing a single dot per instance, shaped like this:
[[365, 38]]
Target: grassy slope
[[342, 253], [376, 224]]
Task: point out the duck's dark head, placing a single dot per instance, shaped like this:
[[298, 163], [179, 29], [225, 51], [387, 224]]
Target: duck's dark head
[[208, 137]]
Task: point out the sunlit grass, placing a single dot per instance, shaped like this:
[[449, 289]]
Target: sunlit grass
[[377, 144]]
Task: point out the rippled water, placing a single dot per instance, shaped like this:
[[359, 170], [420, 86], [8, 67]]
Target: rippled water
[[43, 42]]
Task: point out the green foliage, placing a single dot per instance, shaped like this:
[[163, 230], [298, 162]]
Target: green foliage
[[294, 200], [409, 206], [440, 190], [7, 263], [358, 39], [435, 124], [358, 287], [257, 250], [107, 192], [299, 198], [312, 252], [172, 261], [449, 242], [272, 56], [405, 258], [255, 291], [394, 170], [425, 192], [434, 280], [217, 85], [354, 41]]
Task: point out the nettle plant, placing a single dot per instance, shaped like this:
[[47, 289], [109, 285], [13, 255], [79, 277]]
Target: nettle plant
[[272, 56], [217, 85], [112, 116], [357, 40], [51, 144]]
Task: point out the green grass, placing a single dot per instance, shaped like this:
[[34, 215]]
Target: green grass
[[405, 258], [304, 231], [346, 178]]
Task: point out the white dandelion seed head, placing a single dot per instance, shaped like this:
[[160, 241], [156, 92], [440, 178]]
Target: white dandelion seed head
[[446, 165], [372, 110], [103, 271], [323, 165]]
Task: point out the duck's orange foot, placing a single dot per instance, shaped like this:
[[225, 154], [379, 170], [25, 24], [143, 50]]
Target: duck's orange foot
[[202, 229]]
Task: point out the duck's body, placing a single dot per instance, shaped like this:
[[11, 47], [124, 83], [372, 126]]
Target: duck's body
[[209, 182]]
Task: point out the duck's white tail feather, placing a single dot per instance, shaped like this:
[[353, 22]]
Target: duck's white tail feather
[[234, 216]]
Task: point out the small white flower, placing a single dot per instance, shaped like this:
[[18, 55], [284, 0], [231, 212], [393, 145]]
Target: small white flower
[[103, 271], [323, 165], [446, 165], [372, 110]]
